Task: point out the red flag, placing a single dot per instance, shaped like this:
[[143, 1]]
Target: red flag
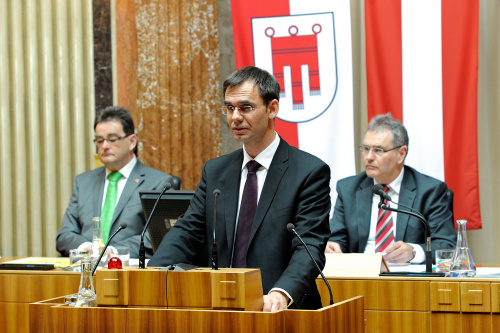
[[422, 66]]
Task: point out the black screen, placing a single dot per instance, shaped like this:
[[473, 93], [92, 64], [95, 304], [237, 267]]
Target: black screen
[[171, 206]]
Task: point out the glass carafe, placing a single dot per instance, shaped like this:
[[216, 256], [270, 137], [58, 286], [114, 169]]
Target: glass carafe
[[97, 242], [462, 264], [86, 293]]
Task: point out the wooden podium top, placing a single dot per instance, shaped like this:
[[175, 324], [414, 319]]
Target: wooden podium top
[[202, 288]]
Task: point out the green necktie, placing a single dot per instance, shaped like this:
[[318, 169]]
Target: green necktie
[[109, 205]]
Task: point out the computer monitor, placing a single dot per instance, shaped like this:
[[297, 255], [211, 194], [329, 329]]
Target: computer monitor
[[171, 206]]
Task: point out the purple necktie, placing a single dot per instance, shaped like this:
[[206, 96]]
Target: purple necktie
[[247, 214]]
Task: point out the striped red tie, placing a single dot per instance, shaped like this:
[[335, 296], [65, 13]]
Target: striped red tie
[[385, 229]]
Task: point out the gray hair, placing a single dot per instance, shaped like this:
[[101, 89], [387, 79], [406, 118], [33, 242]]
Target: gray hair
[[387, 122]]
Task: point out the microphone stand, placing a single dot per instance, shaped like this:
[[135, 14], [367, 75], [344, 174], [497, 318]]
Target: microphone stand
[[142, 249], [215, 253], [428, 252], [291, 228], [123, 225]]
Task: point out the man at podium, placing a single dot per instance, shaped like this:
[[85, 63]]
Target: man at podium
[[262, 187]]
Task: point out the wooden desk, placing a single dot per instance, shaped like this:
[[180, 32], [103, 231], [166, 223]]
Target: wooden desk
[[416, 304], [20, 288]]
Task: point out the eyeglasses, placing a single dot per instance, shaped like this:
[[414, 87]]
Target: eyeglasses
[[377, 151], [243, 110], [112, 140]]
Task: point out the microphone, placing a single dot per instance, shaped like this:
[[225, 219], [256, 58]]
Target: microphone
[[291, 228], [215, 254], [379, 190], [123, 225], [142, 249], [428, 252]]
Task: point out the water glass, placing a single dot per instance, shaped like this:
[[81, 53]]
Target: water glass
[[75, 257], [121, 252], [443, 260]]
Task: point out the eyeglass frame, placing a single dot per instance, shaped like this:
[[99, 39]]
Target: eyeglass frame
[[376, 150], [243, 113], [114, 143]]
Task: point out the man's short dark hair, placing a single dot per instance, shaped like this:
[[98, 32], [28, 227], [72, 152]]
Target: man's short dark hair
[[269, 88], [387, 122], [119, 113]]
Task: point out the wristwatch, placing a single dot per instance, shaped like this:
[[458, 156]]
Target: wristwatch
[[414, 254]]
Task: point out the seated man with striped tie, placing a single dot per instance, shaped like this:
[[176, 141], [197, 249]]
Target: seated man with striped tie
[[111, 192], [358, 226]]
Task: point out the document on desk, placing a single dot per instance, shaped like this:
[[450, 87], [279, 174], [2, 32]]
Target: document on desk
[[488, 272], [405, 267], [57, 262]]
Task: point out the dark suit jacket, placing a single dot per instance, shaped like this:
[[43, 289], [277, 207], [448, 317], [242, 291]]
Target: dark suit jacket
[[350, 223], [86, 202], [296, 191]]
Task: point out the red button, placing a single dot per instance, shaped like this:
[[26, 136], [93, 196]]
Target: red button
[[114, 263]]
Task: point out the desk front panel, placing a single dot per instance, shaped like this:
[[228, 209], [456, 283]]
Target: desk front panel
[[19, 288], [422, 304]]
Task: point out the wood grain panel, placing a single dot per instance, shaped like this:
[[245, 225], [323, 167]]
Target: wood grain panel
[[147, 287], [495, 321], [495, 297], [380, 295], [446, 322], [397, 321], [349, 318], [475, 297], [477, 323], [14, 317], [445, 296], [235, 290], [113, 288], [403, 295], [345, 289], [51, 316], [16, 286], [185, 289]]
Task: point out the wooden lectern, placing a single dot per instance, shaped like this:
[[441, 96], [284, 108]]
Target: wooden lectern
[[200, 288], [200, 300]]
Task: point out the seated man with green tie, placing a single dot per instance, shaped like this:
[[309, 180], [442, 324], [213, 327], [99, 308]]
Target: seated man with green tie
[[112, 191]]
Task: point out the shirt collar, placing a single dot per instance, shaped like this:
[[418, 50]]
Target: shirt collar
[[266, 156], [395, 185], [127, 169]]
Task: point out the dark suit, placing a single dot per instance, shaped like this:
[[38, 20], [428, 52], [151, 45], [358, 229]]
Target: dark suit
[[350, 223], [296, 191], [86, 202]]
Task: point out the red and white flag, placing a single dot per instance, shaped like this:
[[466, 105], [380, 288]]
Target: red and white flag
[[306, 45], [422, 66]]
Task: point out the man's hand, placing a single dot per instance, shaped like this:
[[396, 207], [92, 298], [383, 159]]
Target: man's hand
[[399, 252], [275, 301], [332, 247]]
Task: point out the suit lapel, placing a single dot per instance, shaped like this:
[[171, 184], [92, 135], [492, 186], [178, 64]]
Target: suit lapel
[[230, 190], [363, 212], [406, 197], [135, 179], [98, 188], [277, 169]]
